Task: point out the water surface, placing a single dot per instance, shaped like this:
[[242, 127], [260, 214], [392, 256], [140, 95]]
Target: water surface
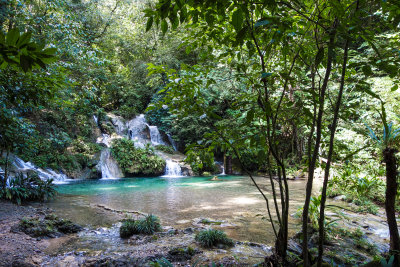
[[179, 202]]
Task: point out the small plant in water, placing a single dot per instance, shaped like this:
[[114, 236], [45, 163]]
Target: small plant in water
[[211, 238]]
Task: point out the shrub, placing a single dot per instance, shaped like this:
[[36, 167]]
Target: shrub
[[127, 228], [148, 226], [28, 187], [201, 160], [211, 238], [359, 188], [166, 149], [136, 161]]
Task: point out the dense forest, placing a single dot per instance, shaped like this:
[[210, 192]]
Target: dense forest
[[275, 91]]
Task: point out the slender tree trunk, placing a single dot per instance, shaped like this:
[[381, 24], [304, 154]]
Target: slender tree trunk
[[391, 190], [6, 169], [313, 160], [321, 219]]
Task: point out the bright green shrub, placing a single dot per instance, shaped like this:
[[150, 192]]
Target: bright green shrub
[[137, 161], [201, 161], [359, 188], [211, 238]]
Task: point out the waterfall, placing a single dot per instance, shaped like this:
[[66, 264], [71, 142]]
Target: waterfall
[[96, 120], [108, 166], [172, 169], [223, 170], [141, 133], [155, 136], [46, 174], [172, 141], [136, 128], [119, 125], [221, 165]]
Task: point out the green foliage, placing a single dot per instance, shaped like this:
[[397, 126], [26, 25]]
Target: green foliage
[[388, 263], [17, 49], [360, 188], [211, 238], [166, 149], [28, 187], [201, 160], [147, 225], [137, 161]]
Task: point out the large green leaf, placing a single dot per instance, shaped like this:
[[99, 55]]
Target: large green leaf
[[237, 19]]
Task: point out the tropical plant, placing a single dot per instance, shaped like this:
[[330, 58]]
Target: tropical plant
[[147, 225], [28, 187]]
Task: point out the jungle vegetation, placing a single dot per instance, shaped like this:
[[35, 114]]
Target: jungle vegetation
[[275, 86]]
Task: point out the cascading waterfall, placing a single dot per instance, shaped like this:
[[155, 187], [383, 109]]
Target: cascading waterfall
[[108, 165], [155, 136], [46, 174], [141, 133], [172, 169], [136, 128], [96, 120], [223, 170], [172, 142]]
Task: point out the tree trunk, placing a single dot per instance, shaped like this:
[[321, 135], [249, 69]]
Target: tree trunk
[[228, 166], [391, 190], [6, 170], [313, 160]]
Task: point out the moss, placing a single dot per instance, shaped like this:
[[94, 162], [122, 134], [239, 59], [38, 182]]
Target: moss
[[208, 222], [181, 253]]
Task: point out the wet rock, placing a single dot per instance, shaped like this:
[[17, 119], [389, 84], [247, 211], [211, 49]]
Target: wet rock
[[21, 263], [340, 197], [172, 232], [179, 254], [188, 230], [120, 262]]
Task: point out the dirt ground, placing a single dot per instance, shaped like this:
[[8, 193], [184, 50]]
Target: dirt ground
[[17, 248]]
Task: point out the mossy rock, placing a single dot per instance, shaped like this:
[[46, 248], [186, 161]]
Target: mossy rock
[[179, 254], [50, 226]]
